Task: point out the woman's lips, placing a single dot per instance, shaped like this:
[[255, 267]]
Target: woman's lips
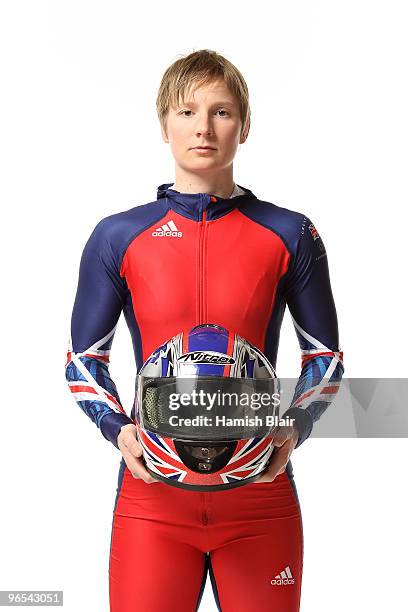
[[203, 149]]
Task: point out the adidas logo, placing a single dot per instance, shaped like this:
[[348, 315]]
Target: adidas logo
[[283, 578], [168, 229]]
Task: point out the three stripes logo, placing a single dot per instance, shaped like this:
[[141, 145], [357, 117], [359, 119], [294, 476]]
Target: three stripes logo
[[284, 578], [168, 229]]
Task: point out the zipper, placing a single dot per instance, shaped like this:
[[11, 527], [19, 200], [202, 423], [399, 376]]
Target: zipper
[[204, 515], [204, 518], [202, 269]]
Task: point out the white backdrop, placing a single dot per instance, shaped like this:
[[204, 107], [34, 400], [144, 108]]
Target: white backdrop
[[80, 140]]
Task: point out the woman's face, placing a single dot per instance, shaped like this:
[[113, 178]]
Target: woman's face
[[210, 117]]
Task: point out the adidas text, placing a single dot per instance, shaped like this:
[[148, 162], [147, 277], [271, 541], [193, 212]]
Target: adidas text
[[282, 581]]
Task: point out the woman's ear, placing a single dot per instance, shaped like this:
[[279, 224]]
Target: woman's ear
[[245, 132]]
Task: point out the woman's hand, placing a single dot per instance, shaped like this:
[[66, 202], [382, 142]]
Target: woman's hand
[[284, 441], [131, 450]]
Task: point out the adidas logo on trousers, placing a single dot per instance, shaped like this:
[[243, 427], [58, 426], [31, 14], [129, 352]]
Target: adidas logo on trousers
[[283, 578]]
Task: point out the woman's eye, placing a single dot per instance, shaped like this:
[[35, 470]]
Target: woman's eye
[[220, 110]]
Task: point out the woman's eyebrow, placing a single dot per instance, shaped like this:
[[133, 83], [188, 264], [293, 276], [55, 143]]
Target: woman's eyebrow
[[219, 103]]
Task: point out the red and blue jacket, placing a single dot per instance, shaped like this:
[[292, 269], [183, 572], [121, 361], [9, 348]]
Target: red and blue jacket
[[192, 258]]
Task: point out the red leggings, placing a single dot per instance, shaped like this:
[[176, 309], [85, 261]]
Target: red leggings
[[165, 540]]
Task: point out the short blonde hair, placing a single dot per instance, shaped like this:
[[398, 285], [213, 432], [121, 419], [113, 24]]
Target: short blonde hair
[[197, 69]]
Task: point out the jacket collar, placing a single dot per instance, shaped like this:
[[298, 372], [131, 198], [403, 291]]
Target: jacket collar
[[192, 205]]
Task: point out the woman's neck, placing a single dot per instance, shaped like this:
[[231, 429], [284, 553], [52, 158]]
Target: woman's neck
[[221, 185]]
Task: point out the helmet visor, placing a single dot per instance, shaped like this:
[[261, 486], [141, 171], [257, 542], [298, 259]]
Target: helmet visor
[[208, 407]]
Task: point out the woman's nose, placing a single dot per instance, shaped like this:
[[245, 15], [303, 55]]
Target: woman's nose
[[204, 126]]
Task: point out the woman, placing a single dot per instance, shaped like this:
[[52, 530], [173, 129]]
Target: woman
[[205, 251]]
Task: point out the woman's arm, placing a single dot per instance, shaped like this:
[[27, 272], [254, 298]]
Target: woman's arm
[[309, 297], [100, 297], [310, 301]]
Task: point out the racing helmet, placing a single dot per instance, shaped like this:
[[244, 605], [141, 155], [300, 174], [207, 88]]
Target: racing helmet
[[206, 407]]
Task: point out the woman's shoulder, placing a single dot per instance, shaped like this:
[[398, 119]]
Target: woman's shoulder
[[288, 224], [121, 226]]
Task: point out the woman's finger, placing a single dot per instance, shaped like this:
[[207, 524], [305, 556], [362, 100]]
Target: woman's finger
[[132, 452], [278, 462], [134, 446], [137, 468]]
